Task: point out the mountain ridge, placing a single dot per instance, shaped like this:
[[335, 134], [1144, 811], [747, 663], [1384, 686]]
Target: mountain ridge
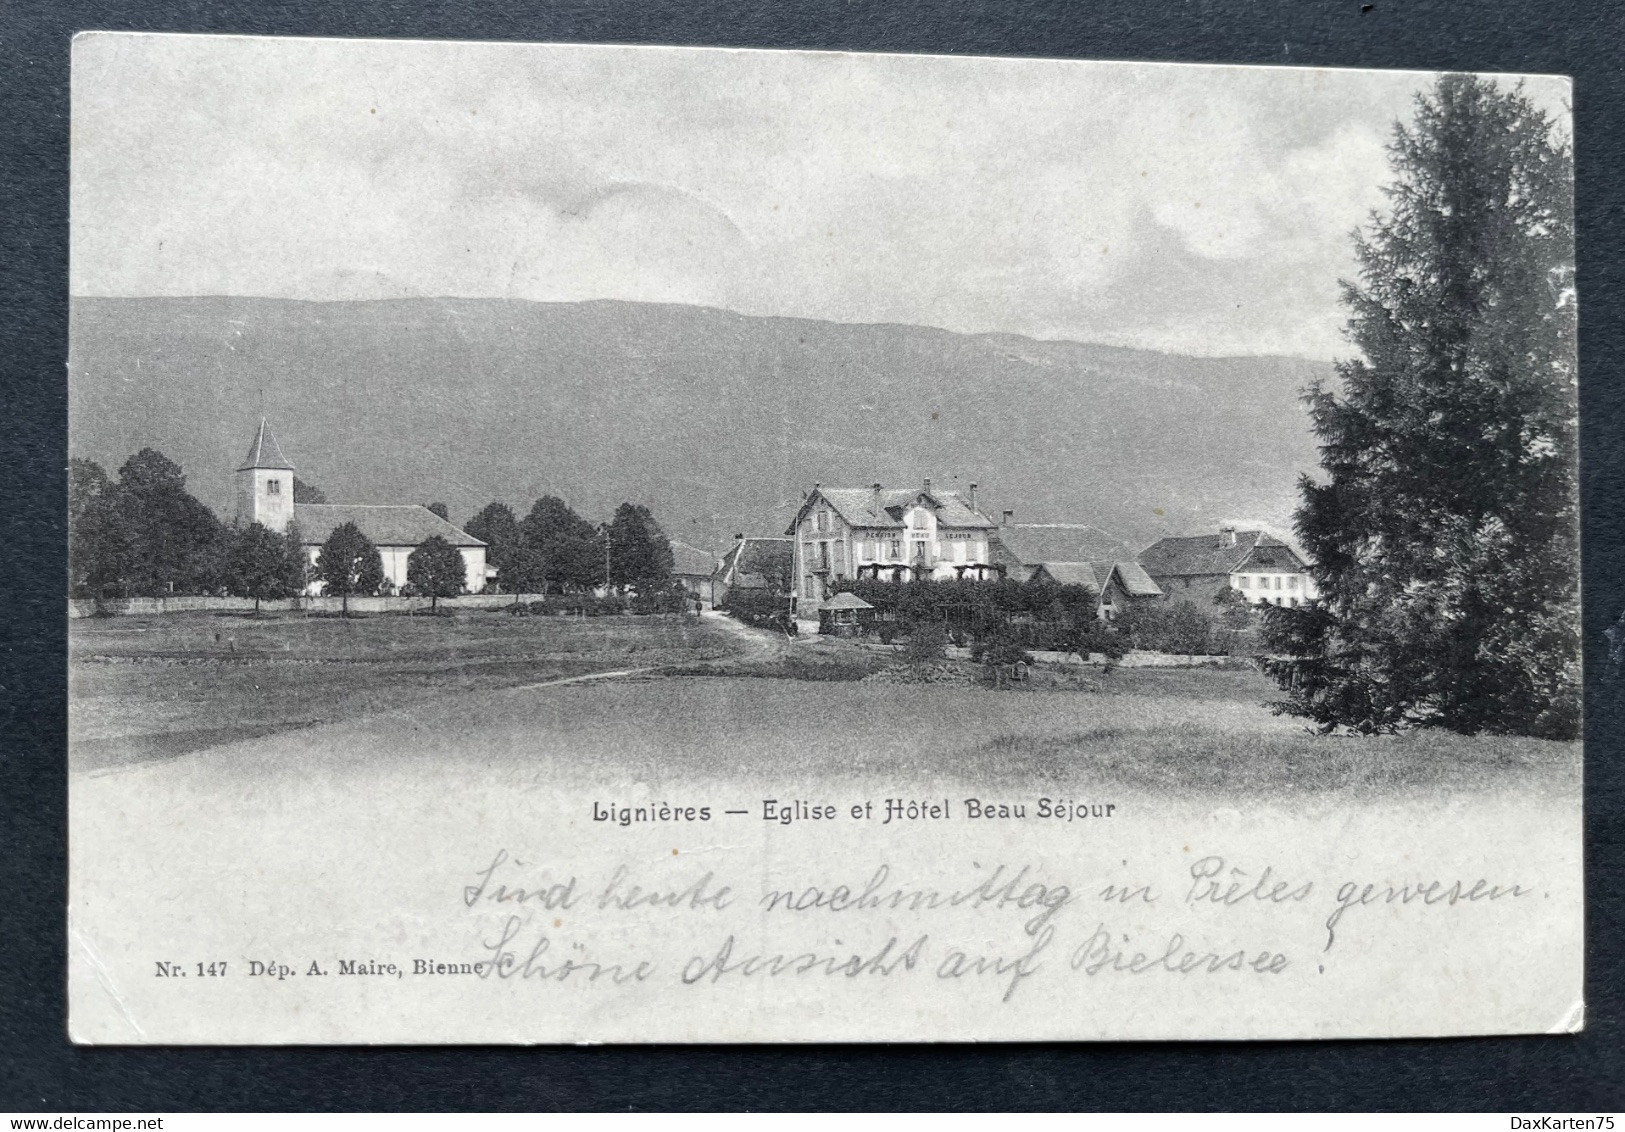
[[717, 420]]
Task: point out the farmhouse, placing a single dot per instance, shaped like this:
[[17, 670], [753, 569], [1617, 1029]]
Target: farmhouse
[[693, 569], [755, 564], [1263, 569], [896, 534], [1116, 584], [265, 496]]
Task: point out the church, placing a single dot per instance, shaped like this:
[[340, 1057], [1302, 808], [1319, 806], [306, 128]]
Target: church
[[265, 496]]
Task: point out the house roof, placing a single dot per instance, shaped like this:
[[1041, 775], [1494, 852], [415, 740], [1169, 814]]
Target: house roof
[[858, 506], [1201, 555], [383, 524], [1272, 555], [998, 554], [750, 562], [847, 601], [1136, 582], [1033, 543], [264, 452], [1097, 575], [691, 561], [1073, 574]]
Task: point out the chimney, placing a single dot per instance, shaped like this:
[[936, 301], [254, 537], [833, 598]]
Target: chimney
[[739, 536], [875, 506], [1227, 536], [928, 485], [973, 497], [1009, 517]]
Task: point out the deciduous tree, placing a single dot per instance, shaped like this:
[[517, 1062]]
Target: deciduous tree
[[264, 566], [99, 543], [174, 544], [495, 526], [436, 568], [639, 552], [563, 546], [349, 564]]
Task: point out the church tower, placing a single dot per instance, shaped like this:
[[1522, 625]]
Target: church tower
[[265, 484]]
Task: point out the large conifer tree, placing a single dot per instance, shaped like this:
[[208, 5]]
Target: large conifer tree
[[1445, 531]]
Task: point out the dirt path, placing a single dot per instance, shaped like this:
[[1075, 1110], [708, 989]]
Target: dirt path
[[582, 679], [760, 644]]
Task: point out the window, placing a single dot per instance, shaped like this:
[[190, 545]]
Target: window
[[822, 521], [896, 550], [1292, 583], [1277, 584], [273, 487], [1246, 582]]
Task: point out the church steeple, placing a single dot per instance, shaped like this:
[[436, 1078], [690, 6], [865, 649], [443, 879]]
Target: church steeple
[[265, 484], [264, 452]]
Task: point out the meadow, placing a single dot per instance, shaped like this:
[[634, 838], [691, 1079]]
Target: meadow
[[158, 687], [710, 699]]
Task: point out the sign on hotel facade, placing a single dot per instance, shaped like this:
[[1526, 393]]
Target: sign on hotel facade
[[897, 534]]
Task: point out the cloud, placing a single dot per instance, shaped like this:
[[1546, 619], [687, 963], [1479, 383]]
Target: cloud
[[1192, 208]]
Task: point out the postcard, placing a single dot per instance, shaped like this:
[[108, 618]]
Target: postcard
[[586, 544]]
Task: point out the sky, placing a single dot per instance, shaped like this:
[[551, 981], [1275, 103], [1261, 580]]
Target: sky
[[1193, 209]]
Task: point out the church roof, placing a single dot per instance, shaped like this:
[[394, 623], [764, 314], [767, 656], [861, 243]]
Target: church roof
[[383, 524], [264, 452]]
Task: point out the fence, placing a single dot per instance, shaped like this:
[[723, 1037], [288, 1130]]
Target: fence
[[153, 606]]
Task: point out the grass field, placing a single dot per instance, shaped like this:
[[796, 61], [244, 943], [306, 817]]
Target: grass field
[[712, 699], [146, 688]]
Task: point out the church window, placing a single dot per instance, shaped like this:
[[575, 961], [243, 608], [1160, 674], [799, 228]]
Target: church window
[[273, 487]]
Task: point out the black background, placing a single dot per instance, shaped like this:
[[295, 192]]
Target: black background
[[39, 1069]]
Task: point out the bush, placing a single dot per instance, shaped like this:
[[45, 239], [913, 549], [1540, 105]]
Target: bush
[[673, 600], [1005, 649], [1095, 637], [1176, 627], [576, 605], [927, 644], [761, 608]]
